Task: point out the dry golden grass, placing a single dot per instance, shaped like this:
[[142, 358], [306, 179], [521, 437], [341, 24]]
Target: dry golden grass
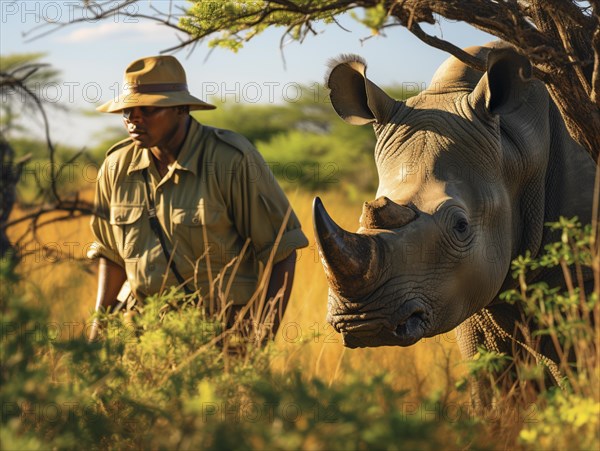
[[308, 341], [59, 276], [54, 268]]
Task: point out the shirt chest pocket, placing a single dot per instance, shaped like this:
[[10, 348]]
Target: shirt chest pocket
[[127, 225], [191, 225]]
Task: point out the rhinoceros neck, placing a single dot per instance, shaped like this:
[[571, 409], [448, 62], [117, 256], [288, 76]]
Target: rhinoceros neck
[[561, 185], [569, 178]]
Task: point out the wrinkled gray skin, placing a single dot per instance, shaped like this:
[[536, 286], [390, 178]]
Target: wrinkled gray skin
[[469, 172]]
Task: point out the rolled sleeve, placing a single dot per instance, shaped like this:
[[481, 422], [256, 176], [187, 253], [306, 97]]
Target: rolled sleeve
[[104, 244], [290, 241], [98, 250]]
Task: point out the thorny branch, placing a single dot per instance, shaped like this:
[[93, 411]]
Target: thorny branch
[[74, 209], [559, 37], [18, 84], [15, 83]]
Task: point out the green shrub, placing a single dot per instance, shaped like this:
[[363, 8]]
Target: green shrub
[[165, 382], [565, 416]]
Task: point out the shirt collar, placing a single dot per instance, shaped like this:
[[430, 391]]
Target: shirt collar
[[189, 154], [140, 159], [187, 159]]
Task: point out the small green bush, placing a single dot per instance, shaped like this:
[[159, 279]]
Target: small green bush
[[163, 381], [567, 415]]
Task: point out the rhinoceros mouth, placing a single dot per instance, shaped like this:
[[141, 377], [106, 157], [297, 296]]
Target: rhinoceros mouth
[[405, 335], [406, 330]]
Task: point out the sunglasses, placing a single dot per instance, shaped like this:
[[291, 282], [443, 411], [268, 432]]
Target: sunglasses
[[146, 111]]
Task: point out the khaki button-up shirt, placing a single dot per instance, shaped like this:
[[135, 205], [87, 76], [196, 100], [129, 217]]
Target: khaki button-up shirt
[[219, 193]]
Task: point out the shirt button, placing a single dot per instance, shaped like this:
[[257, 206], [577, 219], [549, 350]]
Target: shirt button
[[195, 220], [159, 190], [151, 267]]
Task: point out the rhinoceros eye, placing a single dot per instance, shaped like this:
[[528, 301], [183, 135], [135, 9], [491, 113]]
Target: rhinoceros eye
[[461, 228]]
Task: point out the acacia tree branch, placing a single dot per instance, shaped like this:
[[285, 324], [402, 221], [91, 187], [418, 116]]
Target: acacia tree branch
[[75, 209], [595, 94], [103, 14], [569, 46], [49, 144], [569, 12], [441, 44], [9, 80], [555, 35], [16, 82], [502, 22], [115, 9], [84, 208], [203, 33]]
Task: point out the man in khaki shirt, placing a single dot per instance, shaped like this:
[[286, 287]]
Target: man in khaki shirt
[[217, 204]]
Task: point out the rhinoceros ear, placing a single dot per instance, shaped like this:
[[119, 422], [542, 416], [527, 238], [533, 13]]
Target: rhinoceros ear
[[355, 98], [504, 86]]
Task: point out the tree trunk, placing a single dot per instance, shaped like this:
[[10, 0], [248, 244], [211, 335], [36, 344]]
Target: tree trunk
[[571, 85], [10, 175], [581, 115]]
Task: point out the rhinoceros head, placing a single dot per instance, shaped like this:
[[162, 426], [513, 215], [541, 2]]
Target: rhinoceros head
[[461, 170]]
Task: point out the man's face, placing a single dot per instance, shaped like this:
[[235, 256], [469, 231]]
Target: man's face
[[150, 126]]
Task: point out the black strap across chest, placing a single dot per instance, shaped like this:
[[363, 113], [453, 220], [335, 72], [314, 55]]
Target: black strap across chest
[[158, 231]]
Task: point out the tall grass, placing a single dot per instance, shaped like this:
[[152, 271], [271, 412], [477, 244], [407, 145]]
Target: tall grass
[[568, 411], [394, 398], [168, 374], [57, 272]]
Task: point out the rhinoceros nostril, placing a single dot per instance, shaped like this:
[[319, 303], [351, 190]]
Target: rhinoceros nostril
[[382, 213], [411, 325]]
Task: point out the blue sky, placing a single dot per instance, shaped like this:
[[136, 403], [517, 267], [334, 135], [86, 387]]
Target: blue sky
[[93, 55]]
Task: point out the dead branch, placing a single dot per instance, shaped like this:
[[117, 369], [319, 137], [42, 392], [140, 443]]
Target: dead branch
[[15, 82]]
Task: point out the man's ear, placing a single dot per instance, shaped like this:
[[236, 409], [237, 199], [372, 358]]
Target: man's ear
[[355, 98], [504, 86]]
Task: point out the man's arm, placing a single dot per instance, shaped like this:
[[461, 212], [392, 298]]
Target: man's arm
[[110, 280], [278, 278]]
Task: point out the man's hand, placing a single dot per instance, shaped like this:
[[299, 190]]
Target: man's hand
[[110, 280]]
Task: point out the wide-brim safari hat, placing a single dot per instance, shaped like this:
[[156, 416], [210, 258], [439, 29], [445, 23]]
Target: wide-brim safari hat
[[154, 81]]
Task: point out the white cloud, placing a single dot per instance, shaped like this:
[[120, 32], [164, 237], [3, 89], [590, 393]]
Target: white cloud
[[146, 31]]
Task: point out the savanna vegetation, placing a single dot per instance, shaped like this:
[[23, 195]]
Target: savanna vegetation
[[171, 381], [175, 379]]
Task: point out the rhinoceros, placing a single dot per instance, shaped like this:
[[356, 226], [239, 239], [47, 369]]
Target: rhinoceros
[[469, 171]]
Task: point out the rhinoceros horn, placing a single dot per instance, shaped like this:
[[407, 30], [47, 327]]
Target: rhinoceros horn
[[351, 260]]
